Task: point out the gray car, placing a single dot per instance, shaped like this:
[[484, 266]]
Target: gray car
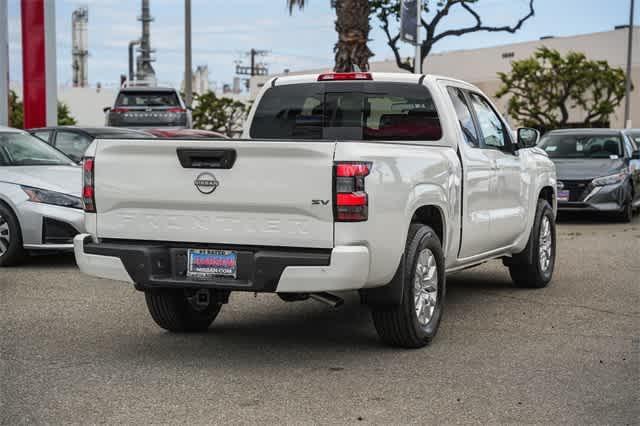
[[597, 170], [40, 204]]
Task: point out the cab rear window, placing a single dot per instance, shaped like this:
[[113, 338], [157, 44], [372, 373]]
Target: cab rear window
[[347, 111], [147, 99]]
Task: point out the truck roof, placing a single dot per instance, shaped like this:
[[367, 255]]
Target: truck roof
[[147, 89], [395, 77]]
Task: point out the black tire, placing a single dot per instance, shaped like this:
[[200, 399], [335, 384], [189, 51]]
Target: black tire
[[172, 310], [10, 238], [397, 325], [524, 268], [626, 215]]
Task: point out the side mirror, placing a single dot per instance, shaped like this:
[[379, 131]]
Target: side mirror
[[528, 137], [106, 109], [635, 155]]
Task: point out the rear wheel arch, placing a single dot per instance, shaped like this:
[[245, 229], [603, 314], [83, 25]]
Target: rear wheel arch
[[432, 216], [392, 293]]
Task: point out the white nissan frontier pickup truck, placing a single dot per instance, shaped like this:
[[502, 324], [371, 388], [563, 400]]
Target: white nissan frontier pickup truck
[[379, 183]]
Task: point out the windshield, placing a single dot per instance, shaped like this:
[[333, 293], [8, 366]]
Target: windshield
[[581, 146], [147, 99], [19, 149], [347, 111]]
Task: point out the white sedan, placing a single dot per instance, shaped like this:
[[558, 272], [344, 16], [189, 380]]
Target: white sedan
[[40, 203]]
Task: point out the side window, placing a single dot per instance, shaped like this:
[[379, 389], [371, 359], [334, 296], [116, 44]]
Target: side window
[[493, 131], [43, 134], [72, 144], [464, 115], [628, 144]]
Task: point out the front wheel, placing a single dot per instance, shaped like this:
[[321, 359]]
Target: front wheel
[[533, 268], [626, 215], [415, 321], [180, 310], [11, 249]]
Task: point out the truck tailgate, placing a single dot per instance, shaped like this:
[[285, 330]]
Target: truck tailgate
[[144, 191]]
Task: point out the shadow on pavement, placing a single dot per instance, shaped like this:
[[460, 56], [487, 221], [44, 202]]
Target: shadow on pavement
[[48, 260], [591, 218]]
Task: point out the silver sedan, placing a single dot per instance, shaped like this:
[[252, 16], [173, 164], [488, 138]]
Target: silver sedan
[[40, 204]]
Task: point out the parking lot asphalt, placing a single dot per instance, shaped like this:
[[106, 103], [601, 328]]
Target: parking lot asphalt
[[79, 350]]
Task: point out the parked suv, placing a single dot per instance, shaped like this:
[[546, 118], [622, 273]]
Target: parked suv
[[137, 107], [377, 183]]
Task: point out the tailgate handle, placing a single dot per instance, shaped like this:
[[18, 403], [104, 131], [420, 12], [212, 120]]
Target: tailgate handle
[[206, 158]]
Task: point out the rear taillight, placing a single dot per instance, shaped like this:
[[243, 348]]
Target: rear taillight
[[176, 110], [88, 188], [120, 110], [342, 76], [351, 203]]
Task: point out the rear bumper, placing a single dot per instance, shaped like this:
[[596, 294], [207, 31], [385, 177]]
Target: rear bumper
[[260, 269]]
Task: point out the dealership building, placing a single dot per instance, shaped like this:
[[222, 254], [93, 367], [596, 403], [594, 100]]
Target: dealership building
[[480, 66]]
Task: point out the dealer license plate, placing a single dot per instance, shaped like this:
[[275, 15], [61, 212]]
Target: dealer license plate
[[208, 264], [563, 195]]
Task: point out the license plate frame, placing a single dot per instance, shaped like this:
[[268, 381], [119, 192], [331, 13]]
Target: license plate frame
[[209, 265], [563, 195]]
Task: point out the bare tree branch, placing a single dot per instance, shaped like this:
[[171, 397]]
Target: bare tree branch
[[479, 27]]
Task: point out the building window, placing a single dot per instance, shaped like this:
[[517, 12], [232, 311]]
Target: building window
[[507, 55]]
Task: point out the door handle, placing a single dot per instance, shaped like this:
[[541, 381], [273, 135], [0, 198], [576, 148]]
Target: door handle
[[206, 158]]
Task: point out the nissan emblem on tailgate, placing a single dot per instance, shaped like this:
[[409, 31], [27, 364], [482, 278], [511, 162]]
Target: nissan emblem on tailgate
[[206, 183]]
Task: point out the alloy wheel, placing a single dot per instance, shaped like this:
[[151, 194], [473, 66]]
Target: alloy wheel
[[5, 236], [545, 245], [425, 286]]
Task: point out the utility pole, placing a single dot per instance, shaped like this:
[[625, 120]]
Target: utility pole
[[188, 79], [4, 64], [417, 68], [255, 68], [627, 104]]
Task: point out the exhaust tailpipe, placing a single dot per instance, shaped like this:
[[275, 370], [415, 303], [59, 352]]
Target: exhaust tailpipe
[[329, 299]]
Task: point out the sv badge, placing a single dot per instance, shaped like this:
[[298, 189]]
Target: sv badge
[[320, 202]]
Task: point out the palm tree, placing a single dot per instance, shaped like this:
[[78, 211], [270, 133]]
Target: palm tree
[[352, 26]]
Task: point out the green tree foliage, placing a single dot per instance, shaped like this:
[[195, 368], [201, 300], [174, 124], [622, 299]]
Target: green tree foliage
[[219, 114], [16, 112], [545, 87], [435, 24], [64, 115], [16, 116]]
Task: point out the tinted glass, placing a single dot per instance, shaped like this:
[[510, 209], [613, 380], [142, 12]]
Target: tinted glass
[[581, 146], [43, 134], [464, 116], [347, 111], [72, 144], [634, 137], [492, 128], [148, 99], [18, 149]]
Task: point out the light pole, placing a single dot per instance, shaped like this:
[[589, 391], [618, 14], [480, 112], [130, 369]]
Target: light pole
[[417, 63], [4, 64], [627, 104], [188, 90]]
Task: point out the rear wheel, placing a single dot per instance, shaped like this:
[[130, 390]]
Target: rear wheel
[[533, 268], [415, 321], [11, 249], [179, 310]]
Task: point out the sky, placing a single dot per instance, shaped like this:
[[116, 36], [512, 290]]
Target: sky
[[223, 31]]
